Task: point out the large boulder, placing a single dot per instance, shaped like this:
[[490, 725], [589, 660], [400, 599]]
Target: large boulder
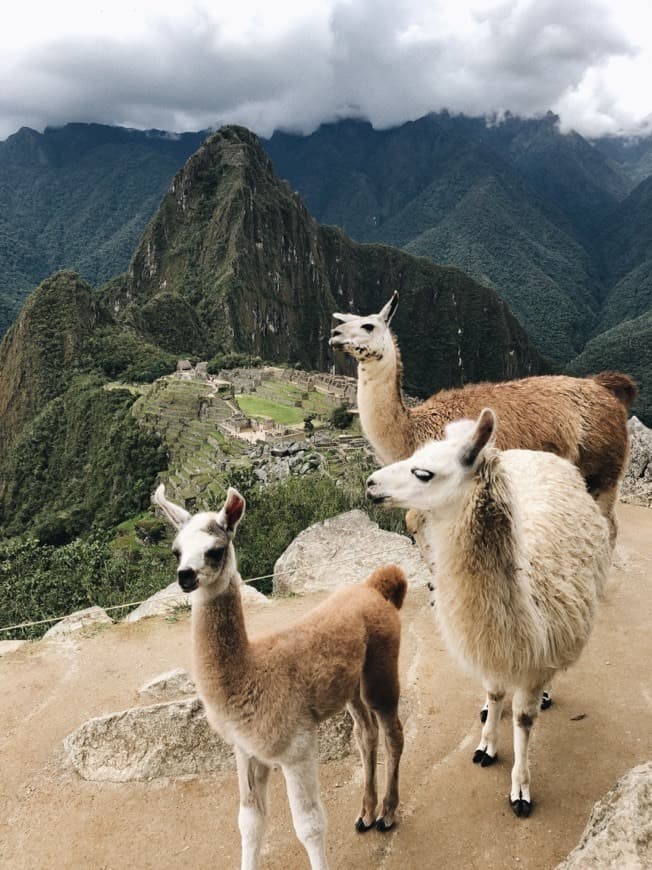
[[344, 549], [91, 617], [169, 740], [619, 831], [637, 483]]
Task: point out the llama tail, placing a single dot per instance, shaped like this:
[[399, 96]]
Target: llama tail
[[622, 386], [391, 582]]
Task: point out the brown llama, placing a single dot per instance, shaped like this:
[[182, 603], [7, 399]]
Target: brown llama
[[267, 695], [583, 420]]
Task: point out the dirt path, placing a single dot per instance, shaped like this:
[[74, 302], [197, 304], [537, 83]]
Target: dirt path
[[453, 814]]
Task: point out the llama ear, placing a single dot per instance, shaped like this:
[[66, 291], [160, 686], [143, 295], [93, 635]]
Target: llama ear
[[344, 318], [234, 508], [482, 434], [387, 311], [176, 515]]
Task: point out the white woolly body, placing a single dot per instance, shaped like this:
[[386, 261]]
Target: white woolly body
[[519, 627]]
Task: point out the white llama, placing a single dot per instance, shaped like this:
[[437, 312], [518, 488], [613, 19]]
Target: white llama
[[523, 553], [267, 695]]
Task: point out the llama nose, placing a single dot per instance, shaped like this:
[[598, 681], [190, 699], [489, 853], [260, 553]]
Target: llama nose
[[187, 578]]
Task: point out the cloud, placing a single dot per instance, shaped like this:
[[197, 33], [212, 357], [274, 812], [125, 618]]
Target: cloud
[[387, 61]]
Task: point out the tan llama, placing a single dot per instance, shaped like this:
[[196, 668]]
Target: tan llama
[[267, 695]]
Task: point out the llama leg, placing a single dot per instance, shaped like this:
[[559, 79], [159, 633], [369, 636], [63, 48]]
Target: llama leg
[[525, 707], [308, 817], [252, 779], [365, 729], [393, 734], [487, 751]]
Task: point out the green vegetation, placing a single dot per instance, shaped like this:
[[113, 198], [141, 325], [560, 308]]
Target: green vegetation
[[341, 417], [82, 462], [126, 356], [42, 581], [255, 406], [628, 347], [233, 361]]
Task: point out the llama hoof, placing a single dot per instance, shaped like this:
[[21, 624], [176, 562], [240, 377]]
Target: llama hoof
[[382, 825], [483, 714], [481, 757], [361, 827], [546, 701], [522, 808]]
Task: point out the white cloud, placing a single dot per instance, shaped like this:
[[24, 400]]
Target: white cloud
[[297, 63]]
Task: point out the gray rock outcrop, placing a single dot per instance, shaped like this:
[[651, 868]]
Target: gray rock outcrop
[[169, 740], [637, 483], [169, 684], [88, 618], [618, 835], [344, 549]]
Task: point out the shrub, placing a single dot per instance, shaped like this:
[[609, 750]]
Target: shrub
[[233, 361], [341, 417]]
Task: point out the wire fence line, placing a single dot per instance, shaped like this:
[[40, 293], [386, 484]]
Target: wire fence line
[[403, 547]]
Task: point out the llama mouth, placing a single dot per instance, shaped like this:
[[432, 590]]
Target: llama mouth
[[377, 498], [189, 586]]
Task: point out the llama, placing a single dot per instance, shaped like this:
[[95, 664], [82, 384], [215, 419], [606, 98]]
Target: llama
[[267, 695], [523, 552], [582, 419]]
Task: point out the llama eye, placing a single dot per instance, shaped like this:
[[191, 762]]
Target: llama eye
[[422, 474], [368, 327], [215, 553]]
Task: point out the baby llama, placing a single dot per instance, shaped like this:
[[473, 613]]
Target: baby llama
[[267, 695]]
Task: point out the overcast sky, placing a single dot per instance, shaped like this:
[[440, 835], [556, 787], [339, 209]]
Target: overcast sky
[[292, 64]]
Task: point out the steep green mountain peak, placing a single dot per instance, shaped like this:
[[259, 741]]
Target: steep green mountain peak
[[43, 347]]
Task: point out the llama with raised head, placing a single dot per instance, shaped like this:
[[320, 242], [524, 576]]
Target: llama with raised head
[[523, 553], [267, 695], [582, 419]]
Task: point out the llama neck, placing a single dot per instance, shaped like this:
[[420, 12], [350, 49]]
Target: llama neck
[[476, 554], [220, 643], [383, 416]]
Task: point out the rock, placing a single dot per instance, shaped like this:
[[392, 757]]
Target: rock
[[169, 684], [9, 646], [344, 549], [618, 835], [171, 598], [184, 365], [172, 739], [162, 603], [637, 483], [92, 616]]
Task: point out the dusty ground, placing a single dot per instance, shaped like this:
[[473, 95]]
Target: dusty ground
[[454, 815]]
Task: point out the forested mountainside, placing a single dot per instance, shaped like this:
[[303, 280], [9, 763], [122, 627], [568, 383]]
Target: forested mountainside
[[78, 197], [231, 262]]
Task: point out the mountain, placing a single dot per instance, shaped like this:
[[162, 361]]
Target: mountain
[[515, 204], [232, 261], [628, 347], [625, 245], [78, 197]]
